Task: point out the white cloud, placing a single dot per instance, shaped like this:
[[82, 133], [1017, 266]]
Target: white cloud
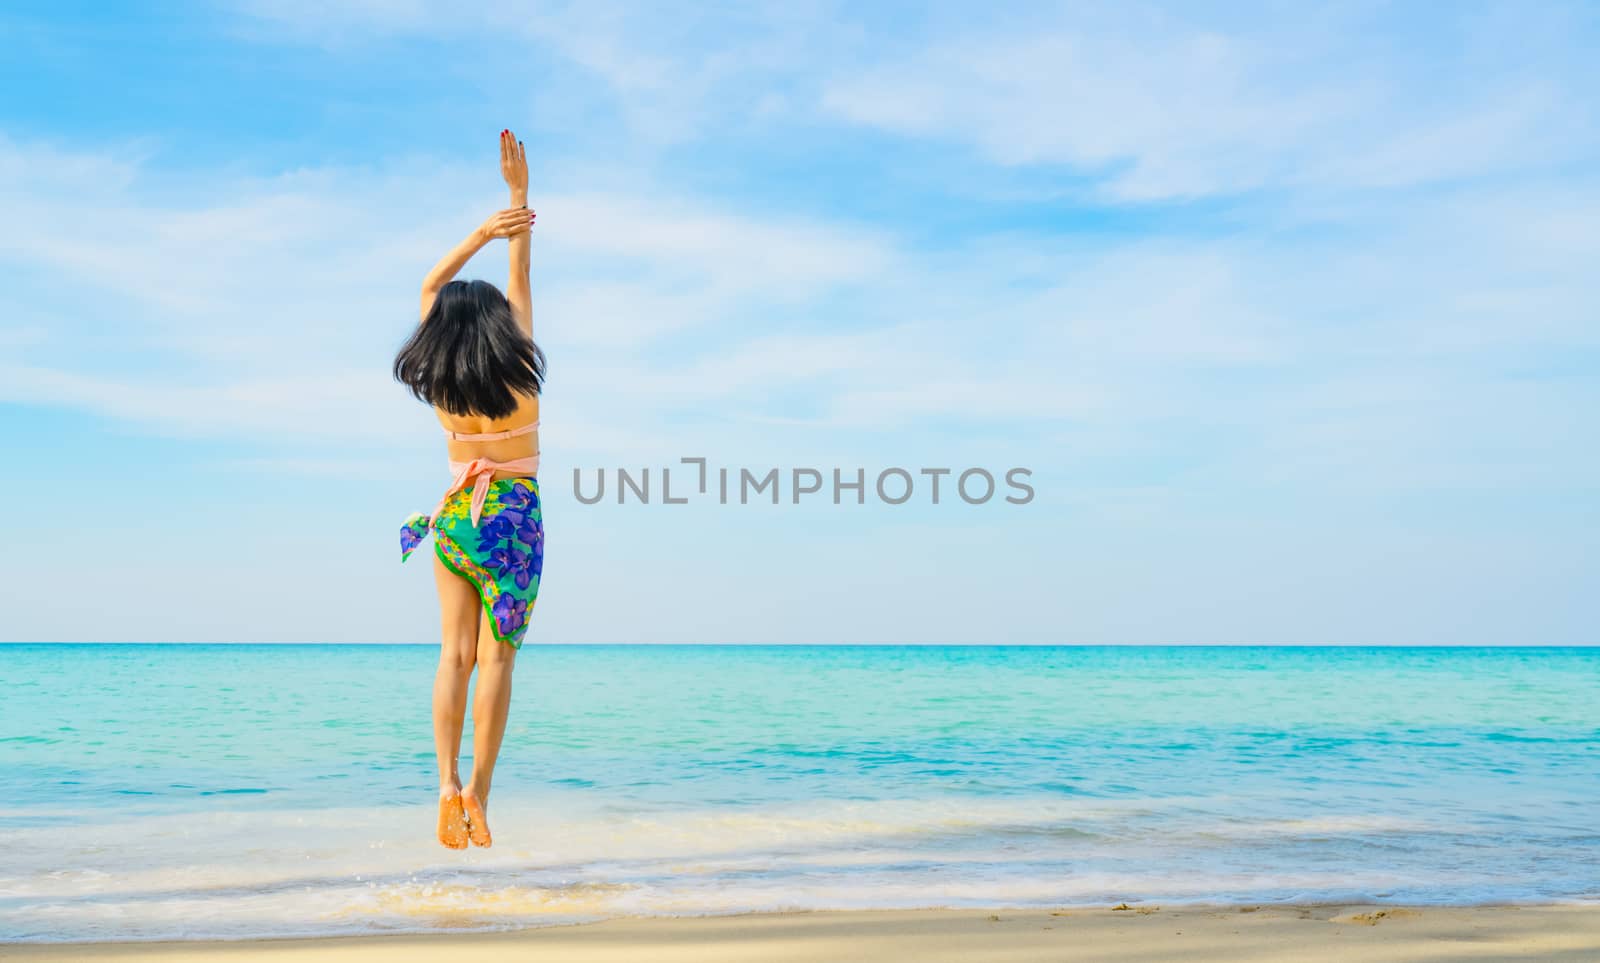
[[634, 269], [671, 73], [271, 305], [1151, 101], [329, 405], [1157, 107], [289, 292], [782, 255]]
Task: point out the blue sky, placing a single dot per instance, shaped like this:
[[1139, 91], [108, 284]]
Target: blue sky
[[1291, 313]]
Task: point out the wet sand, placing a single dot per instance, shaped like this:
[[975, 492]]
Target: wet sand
[[1230, 934]]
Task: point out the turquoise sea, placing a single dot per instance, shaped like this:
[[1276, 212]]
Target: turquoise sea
[[187, 791]]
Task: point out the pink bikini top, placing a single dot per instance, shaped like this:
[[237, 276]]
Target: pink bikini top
[[479, 472]]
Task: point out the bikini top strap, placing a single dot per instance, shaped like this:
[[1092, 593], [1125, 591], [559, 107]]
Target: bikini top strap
[[491, 435]]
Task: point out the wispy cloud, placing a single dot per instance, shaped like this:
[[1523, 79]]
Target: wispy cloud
[[664, 309], [1156, 104]]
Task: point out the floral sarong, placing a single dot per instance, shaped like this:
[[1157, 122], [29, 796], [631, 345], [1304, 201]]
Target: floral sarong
[[502, 555]]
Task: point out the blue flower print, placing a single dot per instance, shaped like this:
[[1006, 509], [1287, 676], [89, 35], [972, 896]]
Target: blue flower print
[[502, 527], [510, 563], [510, 613], [412, 533], [530, 532], [520, 567], [517, 498]]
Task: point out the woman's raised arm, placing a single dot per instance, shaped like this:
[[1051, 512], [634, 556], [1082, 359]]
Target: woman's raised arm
[[514, 168], [507, 223]]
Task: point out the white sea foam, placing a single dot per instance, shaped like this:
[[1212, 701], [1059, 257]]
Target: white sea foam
[[564, 859]]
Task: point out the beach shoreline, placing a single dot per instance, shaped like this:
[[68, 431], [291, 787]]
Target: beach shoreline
[[652, 782], [1310, 932]]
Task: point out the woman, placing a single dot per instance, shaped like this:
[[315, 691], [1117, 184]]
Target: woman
[[474, 360]]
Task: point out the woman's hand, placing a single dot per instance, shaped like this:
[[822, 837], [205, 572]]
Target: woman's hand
[[514, 168], [507, 223], [514, 164], [513, 222]]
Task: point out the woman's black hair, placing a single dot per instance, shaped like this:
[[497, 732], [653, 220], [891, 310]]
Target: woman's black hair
[[468, 356]]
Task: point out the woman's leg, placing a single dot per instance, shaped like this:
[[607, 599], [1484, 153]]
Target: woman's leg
[[490, 705], [459, 615]]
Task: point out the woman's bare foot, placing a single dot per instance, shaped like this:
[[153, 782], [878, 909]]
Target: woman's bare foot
[[477, 820], [452, 819]]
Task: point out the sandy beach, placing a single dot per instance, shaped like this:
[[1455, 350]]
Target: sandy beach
[[1197, 934]]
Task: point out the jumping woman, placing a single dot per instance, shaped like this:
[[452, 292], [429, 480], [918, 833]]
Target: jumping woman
[[473, 359]]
